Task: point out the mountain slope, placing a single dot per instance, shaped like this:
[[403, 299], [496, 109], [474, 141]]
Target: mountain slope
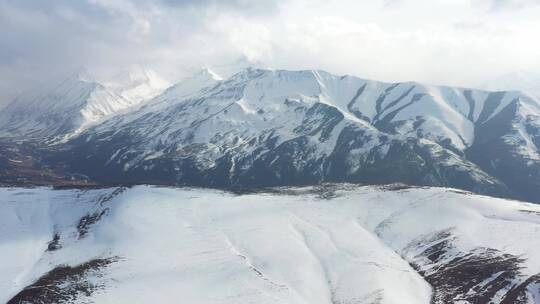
[[266, 128], [508, 147], [137, 84], [69, 108], [328, 244]]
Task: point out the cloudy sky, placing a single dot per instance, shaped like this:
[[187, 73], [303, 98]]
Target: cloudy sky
[[455, 42]]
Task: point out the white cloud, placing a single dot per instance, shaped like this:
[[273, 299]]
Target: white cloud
[[457, 42], [511, 4]]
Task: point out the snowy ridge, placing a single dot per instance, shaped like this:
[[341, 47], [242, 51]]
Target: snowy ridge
[[201, 80], [77, 103], [327, 244], [137, 85], [449, 113], [262, 127]]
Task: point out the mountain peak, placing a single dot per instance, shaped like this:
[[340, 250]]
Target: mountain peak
[[81, 74], [207, 72], [227, 70]]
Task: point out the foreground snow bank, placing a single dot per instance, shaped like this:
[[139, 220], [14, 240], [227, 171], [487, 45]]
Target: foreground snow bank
[[328, 244]]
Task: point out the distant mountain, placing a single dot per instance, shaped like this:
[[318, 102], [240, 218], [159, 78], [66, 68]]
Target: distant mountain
[[137, 84], [326, 244], [526, 82], [191, 85], [263, 127], [59, 113]]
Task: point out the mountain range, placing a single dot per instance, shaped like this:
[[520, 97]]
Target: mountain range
[[262, 127]]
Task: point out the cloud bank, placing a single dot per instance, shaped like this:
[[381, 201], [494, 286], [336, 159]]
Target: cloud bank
[[454, 42]]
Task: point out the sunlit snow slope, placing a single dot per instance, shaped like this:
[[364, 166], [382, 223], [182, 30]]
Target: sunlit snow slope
[[56, 114], [264, 127], [328, 244]]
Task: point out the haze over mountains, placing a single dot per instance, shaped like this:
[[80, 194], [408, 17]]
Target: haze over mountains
[[526, 82], [262, 127], [58, 113]]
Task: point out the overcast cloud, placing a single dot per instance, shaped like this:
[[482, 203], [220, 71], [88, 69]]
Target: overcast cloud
[[455, 42]]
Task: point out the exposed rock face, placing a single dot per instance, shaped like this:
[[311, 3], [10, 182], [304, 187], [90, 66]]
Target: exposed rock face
[[481, 275], [64, 284]]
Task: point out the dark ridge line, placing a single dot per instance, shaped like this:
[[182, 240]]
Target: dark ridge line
[[472, 104], [388, 117], [200, 121], [382, 97], [380, 111], [492, 102], [393, 103], [359, 92]]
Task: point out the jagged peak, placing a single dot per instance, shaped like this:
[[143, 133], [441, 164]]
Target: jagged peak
[[207, 72]]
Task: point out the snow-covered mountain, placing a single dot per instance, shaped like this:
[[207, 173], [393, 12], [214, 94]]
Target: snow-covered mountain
[[59, 113], [189, 86], [276, 127], [137, 84], [328, 244], [263, 127]]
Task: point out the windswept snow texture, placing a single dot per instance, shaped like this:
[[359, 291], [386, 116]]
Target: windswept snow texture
[[326, 244]]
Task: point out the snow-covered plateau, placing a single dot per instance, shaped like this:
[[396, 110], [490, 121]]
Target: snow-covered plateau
[[335, 244]]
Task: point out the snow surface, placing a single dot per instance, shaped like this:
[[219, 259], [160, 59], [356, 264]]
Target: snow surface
[[137, 84], [250, 100], [207, 108], [79, 102], [285, 246]]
